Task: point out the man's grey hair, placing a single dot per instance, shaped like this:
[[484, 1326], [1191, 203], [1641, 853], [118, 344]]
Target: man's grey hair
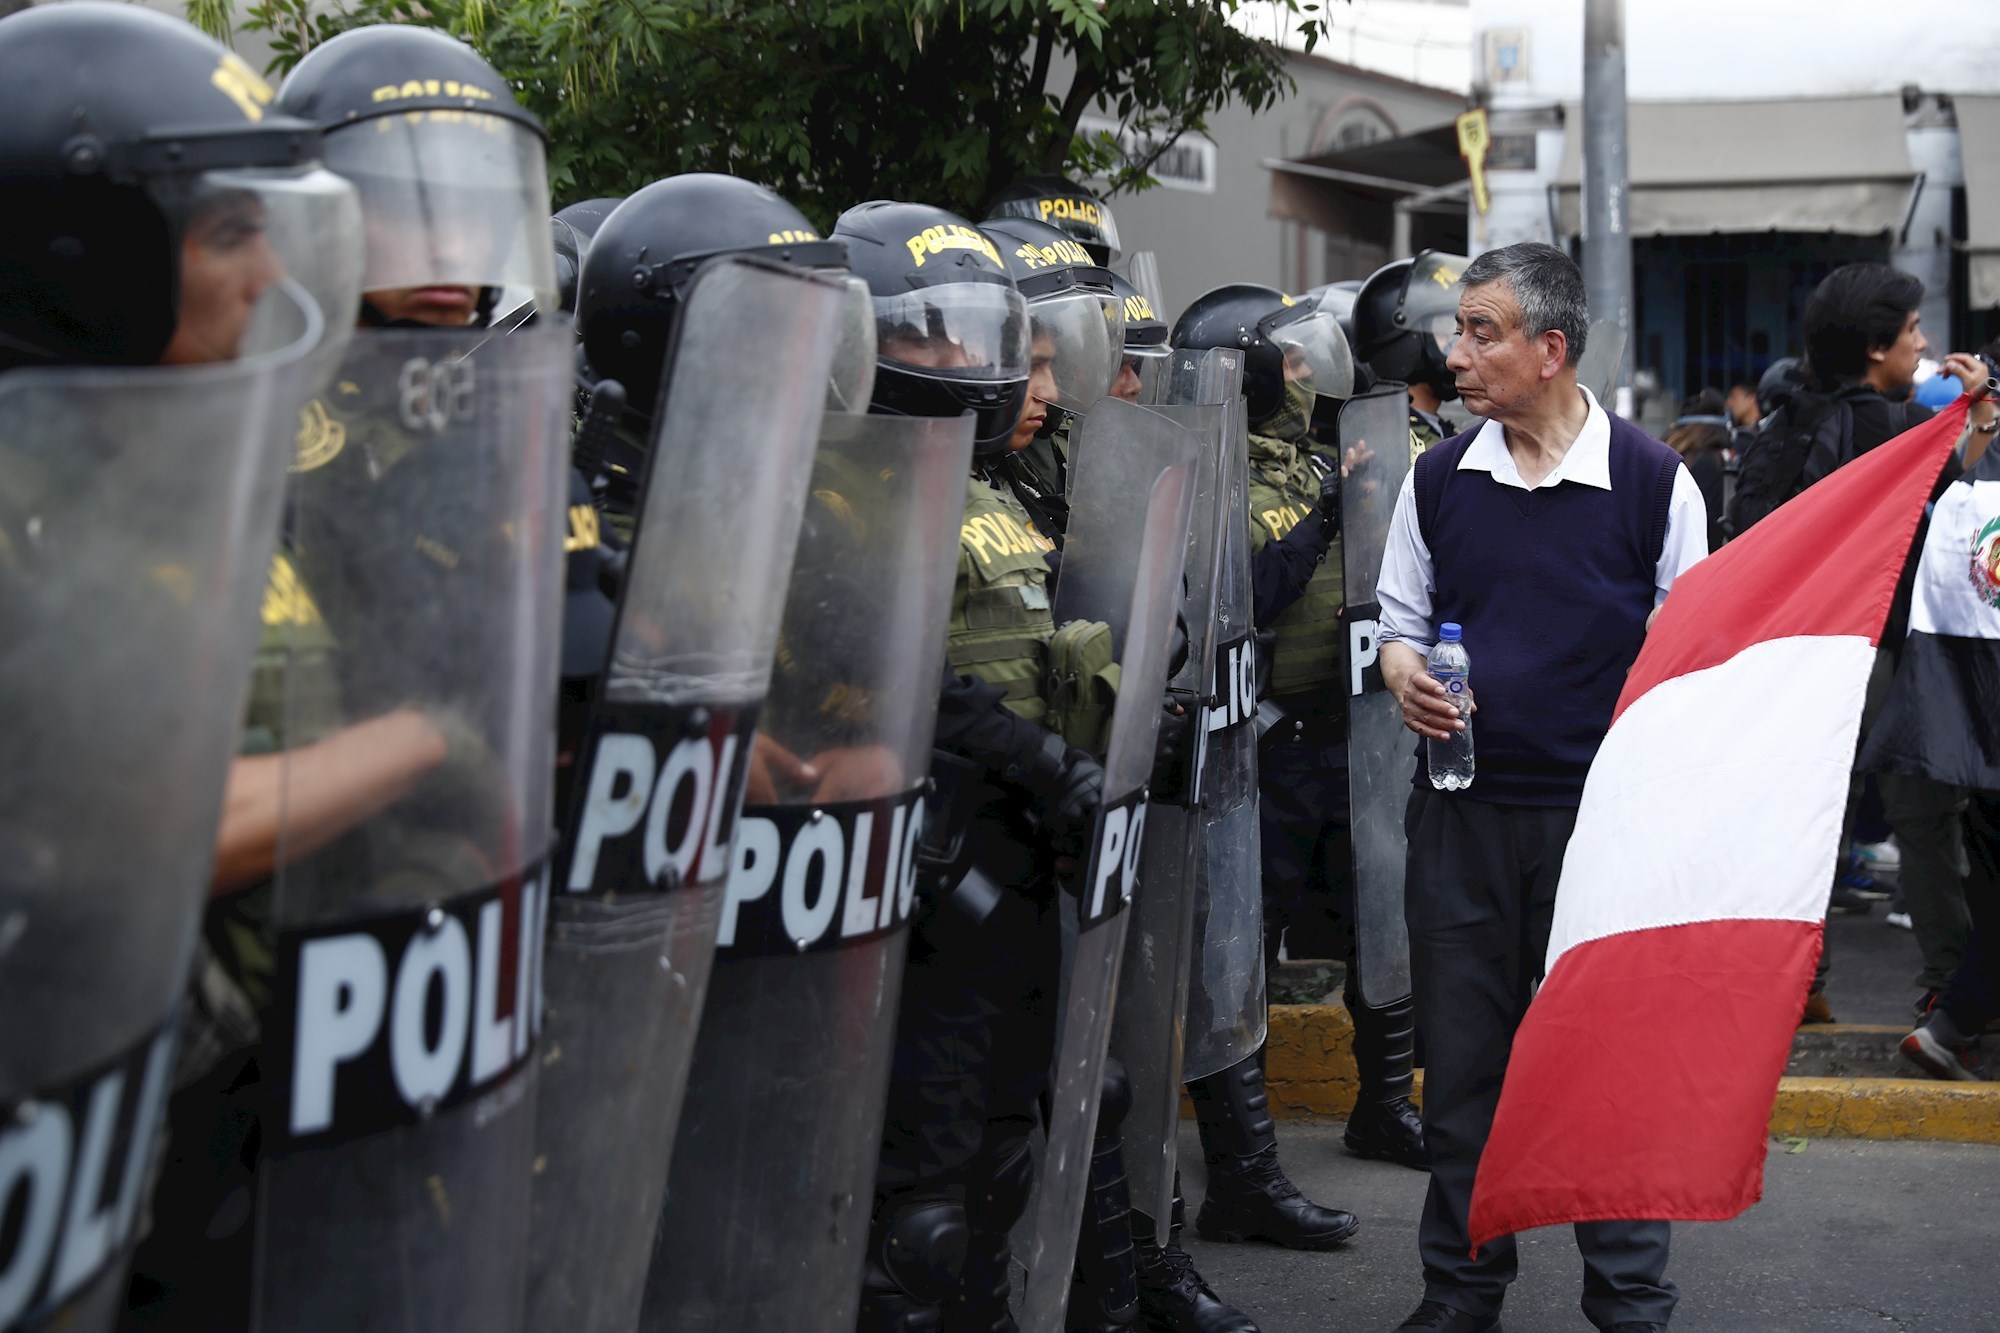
[[1547, 286]]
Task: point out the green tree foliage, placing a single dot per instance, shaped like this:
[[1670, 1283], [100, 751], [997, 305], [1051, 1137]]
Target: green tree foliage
[[835, 101]]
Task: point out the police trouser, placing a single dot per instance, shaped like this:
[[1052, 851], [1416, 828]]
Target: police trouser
[[975, 1035], [1481, 891], [1306, 840]]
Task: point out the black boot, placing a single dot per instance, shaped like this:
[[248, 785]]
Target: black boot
[[1172, 1294], [1104, 1293], [1248, 1196], [995, 1201], [1385, 1123]]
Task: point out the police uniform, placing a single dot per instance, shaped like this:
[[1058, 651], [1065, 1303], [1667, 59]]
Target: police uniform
[[976, 1027], [1302, 767]]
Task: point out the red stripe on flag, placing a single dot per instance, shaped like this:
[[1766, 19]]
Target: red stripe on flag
[[1642, 1085], [1826, 563]]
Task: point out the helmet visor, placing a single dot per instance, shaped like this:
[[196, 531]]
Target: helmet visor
[[450, 199], [1085, 329], [851, 381], [1140, 371], [955, 331], [1316, 353], [1430, 299], [263, 253]]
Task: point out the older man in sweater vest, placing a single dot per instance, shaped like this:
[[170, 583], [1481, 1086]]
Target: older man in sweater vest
[[1550, 533]]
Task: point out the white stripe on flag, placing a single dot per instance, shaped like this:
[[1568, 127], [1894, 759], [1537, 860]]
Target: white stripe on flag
[[1718, 795]]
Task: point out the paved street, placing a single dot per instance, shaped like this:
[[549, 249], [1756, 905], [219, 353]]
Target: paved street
[[1850, 1236]]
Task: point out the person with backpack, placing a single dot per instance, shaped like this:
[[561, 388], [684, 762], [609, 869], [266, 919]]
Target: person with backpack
[[1864, 339]]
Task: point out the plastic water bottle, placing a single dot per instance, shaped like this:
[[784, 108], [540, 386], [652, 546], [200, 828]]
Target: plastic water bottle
[[1451, 761]]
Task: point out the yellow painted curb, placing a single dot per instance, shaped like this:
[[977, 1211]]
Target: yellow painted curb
[[1887, 1108], [1309, 1072]]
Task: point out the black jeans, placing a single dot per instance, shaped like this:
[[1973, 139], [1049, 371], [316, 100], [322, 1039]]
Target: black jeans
[[1480, 897], [1307, 847], [1973, 998]]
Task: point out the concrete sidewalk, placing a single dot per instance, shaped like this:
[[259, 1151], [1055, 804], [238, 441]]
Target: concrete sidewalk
[[1850, 1237]]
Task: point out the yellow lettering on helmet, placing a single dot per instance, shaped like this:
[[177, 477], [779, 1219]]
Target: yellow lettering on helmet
[[1138, 307], [240, 84], [792, 236], [937, 240], [396, 92], [1443, 277]]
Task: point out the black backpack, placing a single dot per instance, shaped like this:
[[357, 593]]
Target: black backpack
[[1773, 465]]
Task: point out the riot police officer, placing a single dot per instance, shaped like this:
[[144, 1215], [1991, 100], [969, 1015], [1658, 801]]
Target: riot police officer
[[171, 262], [976, 1022], [1293, 355], [1073, 305], [351, 731], [1094, 335], [1403, 329], [1059, 202]]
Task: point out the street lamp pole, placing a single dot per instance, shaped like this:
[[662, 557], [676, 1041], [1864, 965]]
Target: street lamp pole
[[1607, 242]]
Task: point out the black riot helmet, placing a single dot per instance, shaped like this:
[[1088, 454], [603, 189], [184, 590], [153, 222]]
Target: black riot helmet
[[951, 329], [124, 136], [1281, 339], [638, 267], [452, 171], [1404, 319], [1146, 348], [573, 227], [1063, 204], [1070, 302]]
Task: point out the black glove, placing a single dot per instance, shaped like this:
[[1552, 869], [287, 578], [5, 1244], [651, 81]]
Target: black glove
[[1327, 511], [1068, 787]]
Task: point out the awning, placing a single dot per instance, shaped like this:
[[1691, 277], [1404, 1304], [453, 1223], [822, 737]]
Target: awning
[[1349, 192], [1978, 123], [1806, 164]]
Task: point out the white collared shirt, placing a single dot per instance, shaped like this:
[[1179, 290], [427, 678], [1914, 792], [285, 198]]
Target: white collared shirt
[[1408, 577]]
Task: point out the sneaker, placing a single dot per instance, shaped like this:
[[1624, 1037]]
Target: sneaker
[[1817, 1009], [1900, 920], [1856, 880], [1883, 860], [1849, 901], [1925, 1003], [1938, 1048]]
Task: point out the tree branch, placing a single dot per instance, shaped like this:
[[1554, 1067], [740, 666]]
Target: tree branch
[[1080, 96], [1038, 73]]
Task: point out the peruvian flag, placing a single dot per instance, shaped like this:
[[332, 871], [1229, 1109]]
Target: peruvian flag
[[1688, 919]]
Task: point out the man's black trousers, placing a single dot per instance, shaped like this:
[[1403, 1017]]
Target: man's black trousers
[[1481, 894]]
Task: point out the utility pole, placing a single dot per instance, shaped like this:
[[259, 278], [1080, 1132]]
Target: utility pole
[[1607, 240]]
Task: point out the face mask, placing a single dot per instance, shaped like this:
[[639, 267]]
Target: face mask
[[1289, 422]]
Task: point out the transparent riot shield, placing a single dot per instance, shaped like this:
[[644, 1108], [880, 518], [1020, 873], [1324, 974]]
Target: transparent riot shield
[[137, 506], [1131, 497], [1146, 1031], [1225, 995], [407, 691], [1144, 271], [639, 877], [1603, 357], [1378, 745], [767, 1210]]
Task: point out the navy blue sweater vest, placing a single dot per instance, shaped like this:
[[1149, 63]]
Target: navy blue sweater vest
[[1552, 587]]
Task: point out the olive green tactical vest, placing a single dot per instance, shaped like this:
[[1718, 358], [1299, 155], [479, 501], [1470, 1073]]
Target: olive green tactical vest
[[1307, 656], [1000, 617], [1422, 437]]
